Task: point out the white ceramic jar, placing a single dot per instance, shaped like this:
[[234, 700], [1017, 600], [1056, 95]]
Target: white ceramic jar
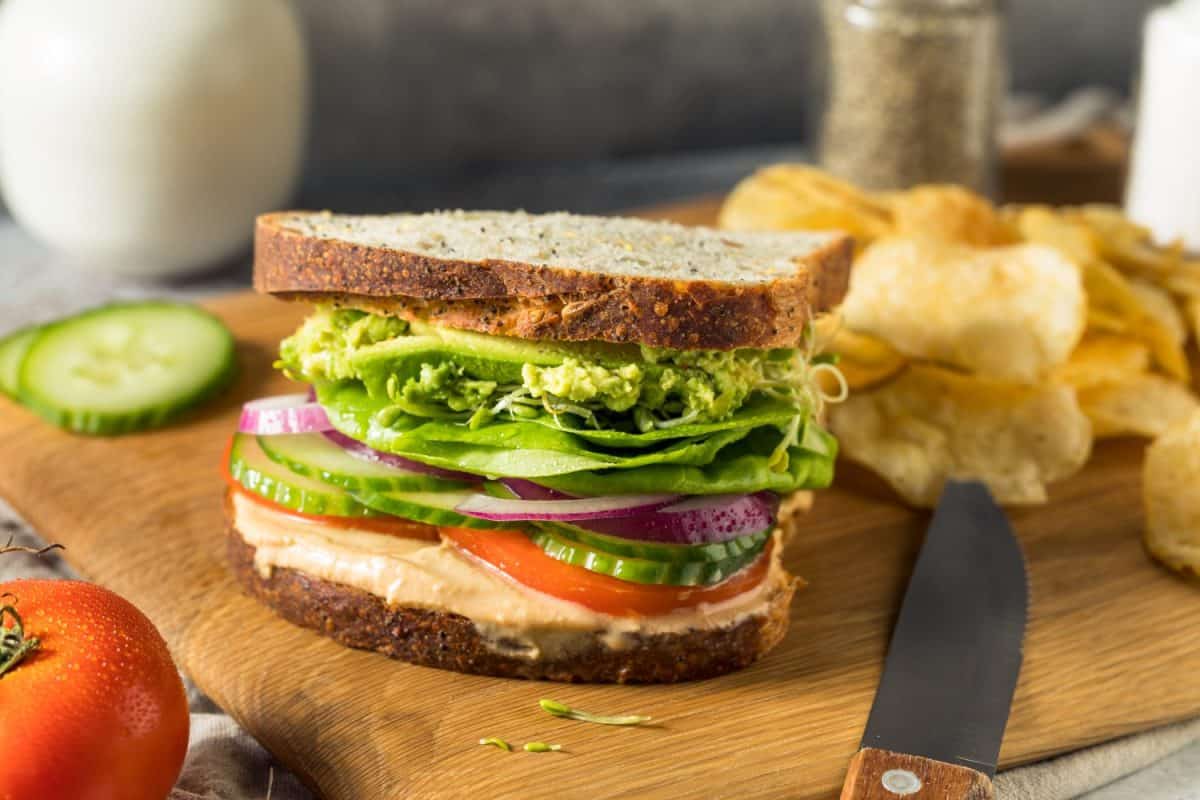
[[142, 136], [1164, 177]]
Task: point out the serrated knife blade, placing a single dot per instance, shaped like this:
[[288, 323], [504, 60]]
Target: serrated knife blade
[[939, 714]]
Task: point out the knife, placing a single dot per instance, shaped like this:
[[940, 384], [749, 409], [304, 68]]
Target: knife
[[942, 705]]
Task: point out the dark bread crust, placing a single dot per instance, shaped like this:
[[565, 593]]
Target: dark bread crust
[[428, 638], [533, 301]]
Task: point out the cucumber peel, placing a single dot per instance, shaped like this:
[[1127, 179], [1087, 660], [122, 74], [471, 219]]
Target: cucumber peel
[[640, 570], [254, 472]]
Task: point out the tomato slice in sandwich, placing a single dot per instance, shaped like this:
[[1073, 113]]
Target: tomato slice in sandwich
[[514, 554]]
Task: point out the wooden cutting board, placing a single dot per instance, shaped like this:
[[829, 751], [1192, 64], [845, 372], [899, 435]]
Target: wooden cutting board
[[1111, 646]]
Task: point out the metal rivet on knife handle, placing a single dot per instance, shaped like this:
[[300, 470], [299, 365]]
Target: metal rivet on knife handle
[[901, 782], [884, 775]]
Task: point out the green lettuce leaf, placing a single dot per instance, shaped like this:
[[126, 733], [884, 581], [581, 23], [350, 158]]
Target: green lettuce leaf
[[727, 460], [731, 473], [509, 449], [758, 412]]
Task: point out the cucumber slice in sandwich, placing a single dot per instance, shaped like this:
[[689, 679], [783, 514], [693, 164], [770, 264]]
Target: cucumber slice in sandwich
[[125, 367], [432, 508], [255, 472], [640, 570], [658, 551], [313, 455]]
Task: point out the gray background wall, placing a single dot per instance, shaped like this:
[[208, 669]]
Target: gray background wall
[[419, 84]]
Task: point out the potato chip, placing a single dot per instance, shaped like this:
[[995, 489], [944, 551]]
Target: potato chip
[[1163, 328], [1171, 492], [1143, 258], [797, 197], [1104, 358], [1124, 243], [1072, 238], [1146, 405], [860, 373], [1115, 306], [1110, 222], [1011, 313], [951, 214], [1110, 296], [1158, 304], [1106, 321], [863, 360], [1193, 312], [1167, 349], [1185, 281], [1130, 247], [930, 425]]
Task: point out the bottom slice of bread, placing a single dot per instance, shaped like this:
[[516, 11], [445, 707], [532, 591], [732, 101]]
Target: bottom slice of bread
[[432, 638]]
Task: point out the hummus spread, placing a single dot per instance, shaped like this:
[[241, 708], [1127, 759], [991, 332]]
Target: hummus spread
[[510, 617]]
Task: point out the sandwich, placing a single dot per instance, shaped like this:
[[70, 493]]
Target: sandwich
[[536, 446]]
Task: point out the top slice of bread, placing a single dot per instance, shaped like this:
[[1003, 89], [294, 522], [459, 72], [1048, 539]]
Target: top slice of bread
[[560, 276]]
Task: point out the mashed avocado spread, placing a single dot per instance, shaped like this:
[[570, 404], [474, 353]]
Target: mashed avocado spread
[[462, 376]]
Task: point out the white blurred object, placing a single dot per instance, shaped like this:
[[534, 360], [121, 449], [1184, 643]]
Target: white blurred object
[[1164, 181], [140, 136]]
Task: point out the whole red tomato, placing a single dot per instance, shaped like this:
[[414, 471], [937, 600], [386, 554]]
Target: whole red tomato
[[97, 710]]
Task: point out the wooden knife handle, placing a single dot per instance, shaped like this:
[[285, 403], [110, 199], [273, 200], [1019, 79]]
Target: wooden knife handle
[[884, 775]]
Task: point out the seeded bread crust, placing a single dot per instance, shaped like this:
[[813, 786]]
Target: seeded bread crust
[[301, 256], [428, 638]]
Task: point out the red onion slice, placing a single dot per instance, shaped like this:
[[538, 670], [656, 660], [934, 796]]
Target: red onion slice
[[367, 453], [287, 413], [701, 519], [500, 509]]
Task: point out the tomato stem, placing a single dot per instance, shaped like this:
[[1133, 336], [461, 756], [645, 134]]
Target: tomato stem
[[13, 644], [9, 547]]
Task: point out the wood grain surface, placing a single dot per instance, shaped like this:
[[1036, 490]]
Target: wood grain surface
[[882, 775], [1111, 647]]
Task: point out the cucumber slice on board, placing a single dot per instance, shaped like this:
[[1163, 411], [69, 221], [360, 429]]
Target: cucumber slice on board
[[126, 366], [313, 455], [256, 473], [432, 508], [657, 551], [12, 354], [639, 570]]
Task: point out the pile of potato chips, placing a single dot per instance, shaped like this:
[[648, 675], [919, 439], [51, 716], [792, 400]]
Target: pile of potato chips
[[990, 343]]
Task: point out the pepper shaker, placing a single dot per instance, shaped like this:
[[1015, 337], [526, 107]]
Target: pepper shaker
[[913, 92]]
